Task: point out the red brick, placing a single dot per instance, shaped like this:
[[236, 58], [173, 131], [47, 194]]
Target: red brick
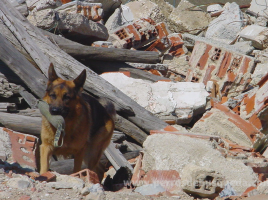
[[24, 148], [87, 175], [138, 173]]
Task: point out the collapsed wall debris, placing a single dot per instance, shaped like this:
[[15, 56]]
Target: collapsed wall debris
[[166, 76]]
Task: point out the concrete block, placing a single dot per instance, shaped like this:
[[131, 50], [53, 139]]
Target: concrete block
[[230, 69], [174, 152], [164, 99], [257, 34], [223, 122], [225, 27], [201, 181], [183, 19]]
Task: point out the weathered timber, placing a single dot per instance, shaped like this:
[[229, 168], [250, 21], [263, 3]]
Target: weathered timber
[[14, 24], [140, 74], [20, 123], [66, 166], [8, 107], [69, 68], [130, 129], [22, 67], [28, 97], [101, 53]]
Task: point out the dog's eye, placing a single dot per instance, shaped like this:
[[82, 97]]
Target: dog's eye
[[66, 97], [52, 96]]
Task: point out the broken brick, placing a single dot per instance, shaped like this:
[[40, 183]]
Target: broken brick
[[87, 175], [230, 69], [24, 148]]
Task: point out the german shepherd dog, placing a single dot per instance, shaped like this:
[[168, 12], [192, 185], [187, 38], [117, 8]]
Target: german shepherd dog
[[89, 123]]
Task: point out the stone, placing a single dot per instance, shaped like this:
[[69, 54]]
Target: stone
[[214, 8], [259, 7], [184, 20], [225, 27], [228, 191], [258, 35], [259, 72], [146, 9], [201, 181], [19, 183], [150, 189], [67, 182], [263, 187], [174, 152], [34, 5], [164, 99]]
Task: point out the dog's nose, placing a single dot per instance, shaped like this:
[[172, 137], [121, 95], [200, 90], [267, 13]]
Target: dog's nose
[[55, 111]]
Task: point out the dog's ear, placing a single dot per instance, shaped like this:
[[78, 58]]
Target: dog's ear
[[80, 80], [52, 76]]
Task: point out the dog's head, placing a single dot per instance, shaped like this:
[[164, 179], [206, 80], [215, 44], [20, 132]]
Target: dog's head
[[61, 95]]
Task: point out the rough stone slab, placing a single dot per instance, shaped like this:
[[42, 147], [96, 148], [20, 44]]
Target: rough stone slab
[[227, 25], [184, 20], [146, 9], [173, 152], [163, 98]]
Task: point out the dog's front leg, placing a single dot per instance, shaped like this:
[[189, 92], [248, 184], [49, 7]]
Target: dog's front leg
[[78, 159], [45, 153]]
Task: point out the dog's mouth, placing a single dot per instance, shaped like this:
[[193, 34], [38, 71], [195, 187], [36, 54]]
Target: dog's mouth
[[59, 111]]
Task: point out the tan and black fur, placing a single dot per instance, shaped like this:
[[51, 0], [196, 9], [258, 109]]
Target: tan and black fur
[[89, 123]]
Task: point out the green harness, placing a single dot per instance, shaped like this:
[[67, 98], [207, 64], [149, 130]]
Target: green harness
[[56, 120]]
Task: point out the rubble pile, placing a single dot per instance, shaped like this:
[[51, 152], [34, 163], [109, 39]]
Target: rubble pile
[[189, 84]]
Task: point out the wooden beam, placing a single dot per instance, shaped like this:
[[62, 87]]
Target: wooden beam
[[100, 53]]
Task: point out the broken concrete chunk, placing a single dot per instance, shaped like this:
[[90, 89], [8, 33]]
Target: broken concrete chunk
[[223, 122], [201, 182], [67, 182], [146, 9], [20, 183], [72, 25], [120, 17], [174, 152], [182, 100], [227, 25], [245, 46], [187, 18], [257, 34], [34, 5]]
